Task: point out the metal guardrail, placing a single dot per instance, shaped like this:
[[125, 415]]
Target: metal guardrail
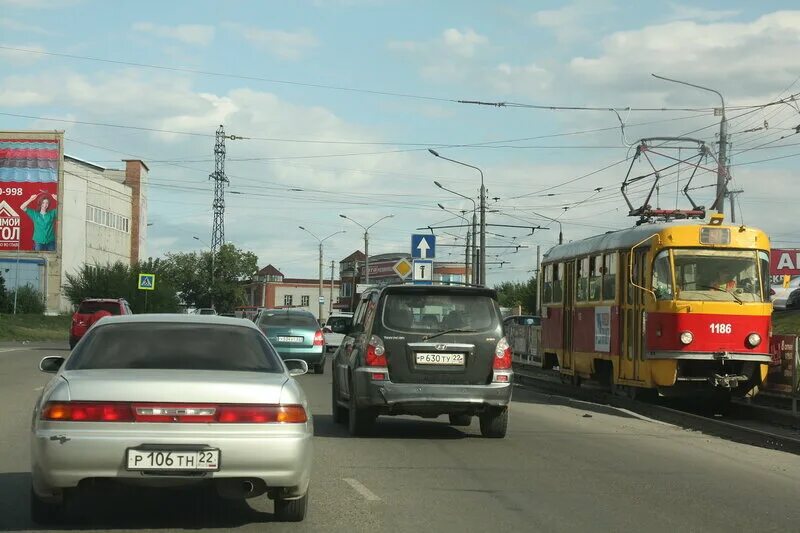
[[525, 343]]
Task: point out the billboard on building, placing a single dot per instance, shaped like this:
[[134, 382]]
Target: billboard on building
[[30, 166]]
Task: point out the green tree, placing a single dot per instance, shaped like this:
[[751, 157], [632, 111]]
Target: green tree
[[119, 280], [191, 274], [4, 300], [512, 294]]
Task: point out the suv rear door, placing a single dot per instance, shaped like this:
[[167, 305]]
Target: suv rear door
[[417, 349]]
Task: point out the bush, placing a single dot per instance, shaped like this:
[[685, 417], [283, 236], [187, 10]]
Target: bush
[[29, 301]]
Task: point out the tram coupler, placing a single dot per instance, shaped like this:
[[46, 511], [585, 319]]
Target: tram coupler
[[728, 381]]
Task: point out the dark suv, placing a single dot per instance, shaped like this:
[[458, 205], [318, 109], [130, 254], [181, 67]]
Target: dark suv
[[425, 351]]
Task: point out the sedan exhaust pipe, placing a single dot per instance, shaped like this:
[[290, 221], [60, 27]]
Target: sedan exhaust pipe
[[237, 489]]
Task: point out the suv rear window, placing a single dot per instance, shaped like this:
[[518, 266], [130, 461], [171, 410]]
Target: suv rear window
[[288, 319], [89, 308], [175, 347], [438, 312]]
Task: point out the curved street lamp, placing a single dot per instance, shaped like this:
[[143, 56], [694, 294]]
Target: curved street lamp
[[319, 300], [366, 240]]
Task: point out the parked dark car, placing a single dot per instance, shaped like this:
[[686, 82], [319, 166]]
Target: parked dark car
[[90, 311], [295, 334], [395, 360], [793, 301]]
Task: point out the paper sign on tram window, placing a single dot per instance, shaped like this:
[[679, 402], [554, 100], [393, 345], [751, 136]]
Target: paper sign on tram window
[[602, 329]]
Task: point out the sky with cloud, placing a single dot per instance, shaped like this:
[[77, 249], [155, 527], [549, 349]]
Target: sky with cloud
[[337, 101]]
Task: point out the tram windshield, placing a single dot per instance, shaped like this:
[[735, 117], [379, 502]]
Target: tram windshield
[[712, 275]]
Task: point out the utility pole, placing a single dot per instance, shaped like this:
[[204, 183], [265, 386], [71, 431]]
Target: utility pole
[[366, 241], [319, 300], [467, 258], [732, 197], [722, 163], [538, 279], [330, 303]]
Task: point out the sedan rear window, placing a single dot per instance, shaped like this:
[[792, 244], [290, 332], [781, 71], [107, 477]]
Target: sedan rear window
[[89, 308], [175, 347], [438, 312], [288, 320]]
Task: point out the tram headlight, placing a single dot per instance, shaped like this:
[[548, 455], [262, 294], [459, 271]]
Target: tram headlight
[[687, 337], [753, 340]]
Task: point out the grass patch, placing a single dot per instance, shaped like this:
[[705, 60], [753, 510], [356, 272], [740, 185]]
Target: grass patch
[[786, 322], [34, 327]]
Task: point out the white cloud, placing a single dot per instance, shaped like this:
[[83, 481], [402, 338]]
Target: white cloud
[[194, 34], [21, 58], [572, 22], [19, 26], [280, 43], [743, 60], [463, 42], [523, 80], [684, 12]]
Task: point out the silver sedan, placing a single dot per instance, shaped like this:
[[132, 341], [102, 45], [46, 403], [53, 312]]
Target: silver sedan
[[160, 400]]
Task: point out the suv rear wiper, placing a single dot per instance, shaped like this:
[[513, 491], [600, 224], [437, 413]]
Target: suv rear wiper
[[446, 331], [735, 297]]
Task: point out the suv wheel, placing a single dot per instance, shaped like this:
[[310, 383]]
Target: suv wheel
[[494, 422], [460, 420], [360, 421], [291, 510], [339, 413]]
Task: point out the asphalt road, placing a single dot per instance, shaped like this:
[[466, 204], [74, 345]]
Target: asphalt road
[[565, 466]]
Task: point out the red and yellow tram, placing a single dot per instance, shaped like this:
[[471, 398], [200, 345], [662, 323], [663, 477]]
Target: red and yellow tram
[[677, 307]]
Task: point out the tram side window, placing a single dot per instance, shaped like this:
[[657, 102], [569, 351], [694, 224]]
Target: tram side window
[[596, 278], [558, 282], [662, 277], [547, 285], [610, 276], [583, 280]]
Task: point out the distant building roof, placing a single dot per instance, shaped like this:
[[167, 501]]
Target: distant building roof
[[83, 162], [358, 255], [270, 270], [304, 281]]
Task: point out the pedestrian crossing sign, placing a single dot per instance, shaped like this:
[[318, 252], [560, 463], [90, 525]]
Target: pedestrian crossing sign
[[147, 282]]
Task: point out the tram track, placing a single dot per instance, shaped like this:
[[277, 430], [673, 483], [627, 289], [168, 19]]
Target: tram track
[[743, 423]]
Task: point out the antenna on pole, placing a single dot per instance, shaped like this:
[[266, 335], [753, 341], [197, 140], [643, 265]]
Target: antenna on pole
[[220, 179]]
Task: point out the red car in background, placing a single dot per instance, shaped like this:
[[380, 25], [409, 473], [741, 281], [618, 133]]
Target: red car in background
[[90, 311]]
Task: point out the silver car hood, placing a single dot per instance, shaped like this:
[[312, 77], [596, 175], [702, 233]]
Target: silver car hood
[[196, 386]]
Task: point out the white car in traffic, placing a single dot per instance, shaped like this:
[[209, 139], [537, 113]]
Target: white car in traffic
[[335, 329], [779, 293]]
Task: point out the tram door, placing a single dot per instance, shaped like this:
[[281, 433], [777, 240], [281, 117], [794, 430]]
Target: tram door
[[567, 319], [632, 316]]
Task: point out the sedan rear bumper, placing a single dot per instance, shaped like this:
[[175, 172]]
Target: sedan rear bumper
[[63, 458], [313, 355], [422, 398]]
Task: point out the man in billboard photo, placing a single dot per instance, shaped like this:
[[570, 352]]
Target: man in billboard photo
[[44, 233]]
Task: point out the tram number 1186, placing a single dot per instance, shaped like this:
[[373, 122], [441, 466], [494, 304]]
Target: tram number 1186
[[721, 329]]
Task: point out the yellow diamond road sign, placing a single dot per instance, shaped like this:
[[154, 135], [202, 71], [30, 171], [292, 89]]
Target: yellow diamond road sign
[[403, 268]]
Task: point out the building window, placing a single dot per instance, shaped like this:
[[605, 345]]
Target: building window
[[105, 218], [304, 301], [287, 299], [347, 289]]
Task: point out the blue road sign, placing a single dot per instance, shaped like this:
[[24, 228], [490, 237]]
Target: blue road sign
[[423, 272], [147, 282], [423, 246]]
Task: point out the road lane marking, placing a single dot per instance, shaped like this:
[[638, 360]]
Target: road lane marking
[[361, 489], [39, 388], [5, 350]]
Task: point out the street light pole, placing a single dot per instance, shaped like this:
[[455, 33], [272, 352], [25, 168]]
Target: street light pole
[[474, 255], [366, 241], [482, 280], [722, 164], [320, 297], [467, 251]]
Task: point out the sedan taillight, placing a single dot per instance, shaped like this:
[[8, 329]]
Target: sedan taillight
[[319, 338], [174, 413]]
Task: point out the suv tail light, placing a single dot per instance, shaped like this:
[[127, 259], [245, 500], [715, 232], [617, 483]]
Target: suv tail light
[[176, 413], [319, 338], [376, 352], [502, 355]]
